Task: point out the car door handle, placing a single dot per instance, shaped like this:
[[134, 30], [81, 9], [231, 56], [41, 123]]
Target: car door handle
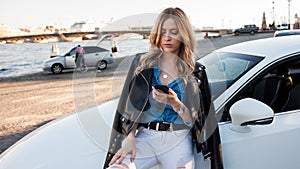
[[96, 54]]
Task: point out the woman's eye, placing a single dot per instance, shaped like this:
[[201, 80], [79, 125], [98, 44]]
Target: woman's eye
[[174, 32]]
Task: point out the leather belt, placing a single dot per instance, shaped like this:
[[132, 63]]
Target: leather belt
[[164, 126]]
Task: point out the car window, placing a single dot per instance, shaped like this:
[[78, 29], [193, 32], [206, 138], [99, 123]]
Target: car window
[[88, 50], [99, 49], [93, 49], [73, 51], [70, 52], [223, 69], [278, 87]]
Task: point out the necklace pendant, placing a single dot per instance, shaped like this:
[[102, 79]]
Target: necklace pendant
[[165, 76]]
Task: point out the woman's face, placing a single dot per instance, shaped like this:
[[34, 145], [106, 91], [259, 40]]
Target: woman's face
[[170, 38]]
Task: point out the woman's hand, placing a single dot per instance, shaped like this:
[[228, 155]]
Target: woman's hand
[[164, 98], [172, 100], [128, 148]]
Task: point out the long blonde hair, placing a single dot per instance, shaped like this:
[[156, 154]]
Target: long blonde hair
[[186, 62]]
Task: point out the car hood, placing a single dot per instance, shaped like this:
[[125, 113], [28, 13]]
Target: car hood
[[57, 58], [77, 140]]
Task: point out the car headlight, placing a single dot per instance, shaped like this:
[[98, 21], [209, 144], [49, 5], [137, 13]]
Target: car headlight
[[46, 64]]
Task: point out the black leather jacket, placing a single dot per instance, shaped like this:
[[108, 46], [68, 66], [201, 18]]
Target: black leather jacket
[[133, 102]]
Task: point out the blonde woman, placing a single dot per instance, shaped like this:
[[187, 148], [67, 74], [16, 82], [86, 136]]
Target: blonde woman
[[161, 111]]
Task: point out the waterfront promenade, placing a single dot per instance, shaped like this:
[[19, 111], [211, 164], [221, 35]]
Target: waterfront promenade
[[31, 101], [58, 36]]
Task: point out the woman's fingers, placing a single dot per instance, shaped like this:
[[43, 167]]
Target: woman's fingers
[[115, 158], [172, 92], [132, 158], [160, 97], [155, 92], [120, 155], [163, 97], [121, 159]]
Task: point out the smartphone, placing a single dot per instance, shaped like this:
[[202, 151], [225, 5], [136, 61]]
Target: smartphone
[[162, 88]]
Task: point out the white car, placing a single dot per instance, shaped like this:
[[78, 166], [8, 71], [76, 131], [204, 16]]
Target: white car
[[286, 32], [94, 56], [255, 87], [283, 26]]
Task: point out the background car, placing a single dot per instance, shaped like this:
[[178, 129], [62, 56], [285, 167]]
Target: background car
[[95, 57], [287, 32], [255, 87], [283, 26], [251, 28]]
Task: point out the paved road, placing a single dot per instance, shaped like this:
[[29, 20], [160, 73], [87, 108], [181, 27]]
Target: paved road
[[208, 45]]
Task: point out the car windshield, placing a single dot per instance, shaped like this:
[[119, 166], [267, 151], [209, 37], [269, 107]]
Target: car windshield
[[223, 69], [69, 52]]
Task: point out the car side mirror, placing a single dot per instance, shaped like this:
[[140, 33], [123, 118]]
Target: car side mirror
[[249, 111]]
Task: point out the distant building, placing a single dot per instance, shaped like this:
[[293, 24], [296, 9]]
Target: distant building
[[49, 29], [10, 31], [86, 26], [141, 28], [3, 30], [297, 23]]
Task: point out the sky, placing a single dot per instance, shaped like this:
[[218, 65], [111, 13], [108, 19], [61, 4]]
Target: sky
[[202, 13]]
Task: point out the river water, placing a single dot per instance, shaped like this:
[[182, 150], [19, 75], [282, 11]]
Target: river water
[[27, 58]]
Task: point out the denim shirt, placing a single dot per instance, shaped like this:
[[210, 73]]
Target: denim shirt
[[159, 112]]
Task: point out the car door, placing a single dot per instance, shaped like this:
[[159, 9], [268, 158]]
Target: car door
[[245, 29], [88, 53], [274, 145], [91, 55], [94, 54], [103, 54], [70, 59]]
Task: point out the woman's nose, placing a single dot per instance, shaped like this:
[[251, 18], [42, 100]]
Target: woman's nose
[[167, 36]]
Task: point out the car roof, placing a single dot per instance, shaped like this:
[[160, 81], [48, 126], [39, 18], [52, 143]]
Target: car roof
[[270, 48], [91, 46], [287, 32]]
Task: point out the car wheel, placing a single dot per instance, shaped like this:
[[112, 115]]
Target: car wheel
[[236, 33], [252, 32], [56, 68], [101, 65]]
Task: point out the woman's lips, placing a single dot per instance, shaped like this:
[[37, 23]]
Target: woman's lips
[[167, 45]]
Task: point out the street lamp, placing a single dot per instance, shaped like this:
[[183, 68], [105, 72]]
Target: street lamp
[[289, 13], [273, 10]]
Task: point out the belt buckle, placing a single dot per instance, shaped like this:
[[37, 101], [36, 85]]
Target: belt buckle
[[170, 127]]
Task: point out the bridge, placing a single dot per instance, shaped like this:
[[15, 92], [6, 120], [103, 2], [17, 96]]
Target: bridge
[[78, 36]]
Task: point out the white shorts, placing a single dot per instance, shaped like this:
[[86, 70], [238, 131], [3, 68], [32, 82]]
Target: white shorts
[[168, 149]]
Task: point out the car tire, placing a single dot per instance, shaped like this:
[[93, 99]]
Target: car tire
[[236, 33], [252, 32], [102, 65], [56, 68]]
